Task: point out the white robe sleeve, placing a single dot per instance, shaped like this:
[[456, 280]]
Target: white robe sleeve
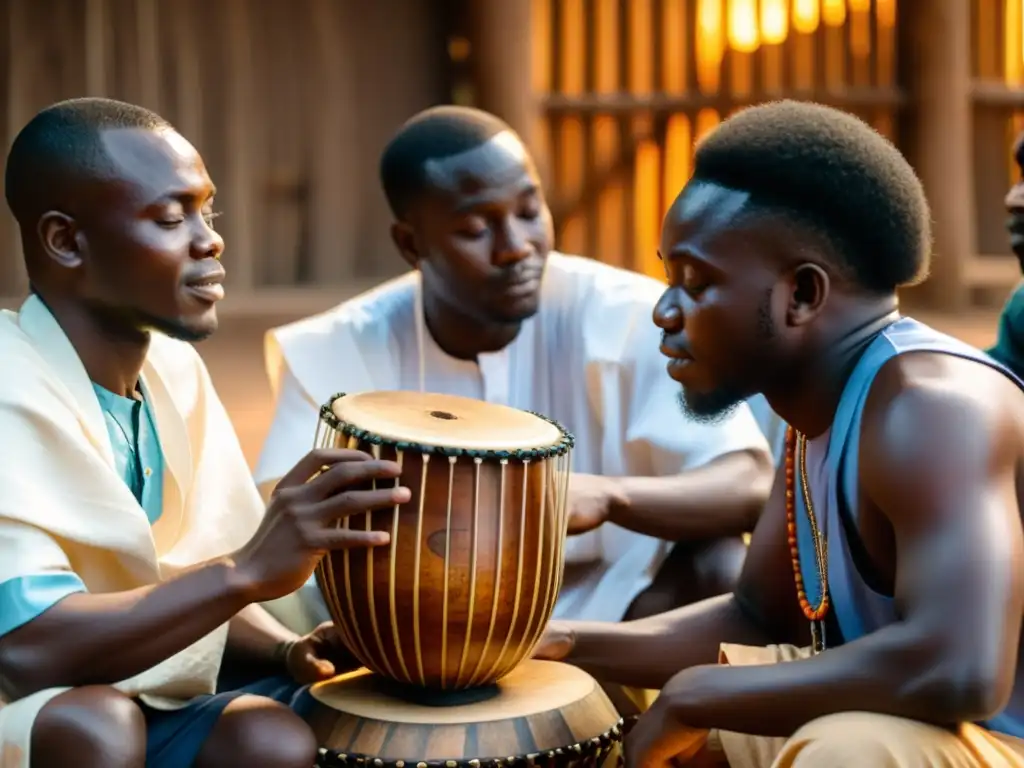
[[292, 432]]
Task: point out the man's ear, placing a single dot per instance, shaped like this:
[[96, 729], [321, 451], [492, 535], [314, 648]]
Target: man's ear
[[59, 237], [809, 289], [405, 240]]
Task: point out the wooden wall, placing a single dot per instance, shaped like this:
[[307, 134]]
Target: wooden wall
[[289, 102], [629, 87]]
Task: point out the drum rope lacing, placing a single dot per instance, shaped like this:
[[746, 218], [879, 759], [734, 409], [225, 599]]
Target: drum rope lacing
[[560, 448]]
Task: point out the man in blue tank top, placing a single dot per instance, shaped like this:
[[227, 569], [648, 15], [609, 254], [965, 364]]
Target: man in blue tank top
[[878, 618]]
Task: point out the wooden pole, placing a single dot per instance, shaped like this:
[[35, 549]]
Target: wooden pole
[[936, 62]]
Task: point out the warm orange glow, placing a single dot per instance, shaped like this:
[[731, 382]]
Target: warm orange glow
[[573, 237], [540, 18], [744, 34], [1020, 39], [885, 12], [860, 28], [572, 47], [1012, 42], [678, 153], [606, 40], [774, 21], [710, 44], [570, 157], [885, 53], [610, 244], [647, 224], [641, 70], [707, 120], [833, 12], [674, 45], [806, 16]]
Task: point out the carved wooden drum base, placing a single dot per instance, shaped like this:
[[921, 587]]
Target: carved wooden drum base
[[543, 713]]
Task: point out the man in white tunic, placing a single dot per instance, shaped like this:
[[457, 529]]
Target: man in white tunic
[[489, 311], [134, 546]]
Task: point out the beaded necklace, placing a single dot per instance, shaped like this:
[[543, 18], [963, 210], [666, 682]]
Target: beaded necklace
[[815, 615]]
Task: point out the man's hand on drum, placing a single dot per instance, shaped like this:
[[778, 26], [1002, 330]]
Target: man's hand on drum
[[660, 737], [556, 643], [300, 525], [592, 501], [320, 655]]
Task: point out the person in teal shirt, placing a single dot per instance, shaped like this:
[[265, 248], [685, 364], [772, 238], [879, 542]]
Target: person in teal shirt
[[1009, 346]]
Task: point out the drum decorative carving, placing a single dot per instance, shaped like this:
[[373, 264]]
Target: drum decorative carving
[[463, 591]]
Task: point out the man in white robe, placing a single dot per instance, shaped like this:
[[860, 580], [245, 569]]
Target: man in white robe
[[491, 312], [134, 546]]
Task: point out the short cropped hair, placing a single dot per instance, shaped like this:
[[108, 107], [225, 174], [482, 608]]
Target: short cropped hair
[[829, 171], [434, 134], [62, 143]]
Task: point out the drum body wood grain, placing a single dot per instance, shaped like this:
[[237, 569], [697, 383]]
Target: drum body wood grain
[[542, 714], [465, 587]]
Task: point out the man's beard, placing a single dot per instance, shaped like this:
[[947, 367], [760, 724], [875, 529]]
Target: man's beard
[[711, 408], [719, 404], [131, 324]]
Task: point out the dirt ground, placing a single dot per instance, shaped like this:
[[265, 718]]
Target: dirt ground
[[234, 356]]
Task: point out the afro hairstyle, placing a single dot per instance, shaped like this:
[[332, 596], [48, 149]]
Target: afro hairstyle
[[433, 134], [828, 171]]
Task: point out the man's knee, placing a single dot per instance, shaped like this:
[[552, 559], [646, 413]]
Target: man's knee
[[89, 726], [851, 739], [260, 733]]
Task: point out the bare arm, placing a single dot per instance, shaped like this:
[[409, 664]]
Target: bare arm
[[104, 638], [647, 652], [722, 498], [939, 463]]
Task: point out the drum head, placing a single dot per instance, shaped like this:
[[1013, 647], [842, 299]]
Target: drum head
[[445, 421]]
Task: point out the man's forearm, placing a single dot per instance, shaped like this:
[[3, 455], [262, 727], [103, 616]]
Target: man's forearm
[[105, 638], [721, 498], [893, 672], [647, 652]]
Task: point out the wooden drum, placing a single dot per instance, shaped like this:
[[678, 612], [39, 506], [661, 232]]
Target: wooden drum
[[542, 714], [462, 593]]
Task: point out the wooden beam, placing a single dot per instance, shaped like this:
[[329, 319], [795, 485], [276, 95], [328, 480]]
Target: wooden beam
[[724, 102], [502, 51], [936, 46]]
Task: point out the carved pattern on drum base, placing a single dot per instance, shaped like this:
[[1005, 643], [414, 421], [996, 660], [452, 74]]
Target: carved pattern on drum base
[[586, 753]]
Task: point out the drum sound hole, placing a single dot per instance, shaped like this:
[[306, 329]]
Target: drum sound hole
[[443, 415]]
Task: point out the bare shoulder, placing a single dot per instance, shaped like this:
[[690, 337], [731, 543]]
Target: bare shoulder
[[933, 421]]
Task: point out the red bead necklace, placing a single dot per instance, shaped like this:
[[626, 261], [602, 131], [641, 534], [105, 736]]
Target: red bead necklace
[[815, 615]]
